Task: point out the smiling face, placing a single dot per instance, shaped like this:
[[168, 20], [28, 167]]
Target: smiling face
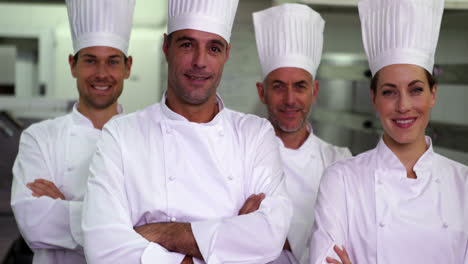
[[288, 93], [100, 72], [195, 64], [403, 98]]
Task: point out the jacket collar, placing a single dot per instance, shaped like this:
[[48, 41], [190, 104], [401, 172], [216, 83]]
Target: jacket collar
[[171, 115], [80, 120], [387, 160], [307, 150]]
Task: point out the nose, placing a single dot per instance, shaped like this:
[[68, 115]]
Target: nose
[[404, 103], [102, 71], [199, 58], [289, 97]]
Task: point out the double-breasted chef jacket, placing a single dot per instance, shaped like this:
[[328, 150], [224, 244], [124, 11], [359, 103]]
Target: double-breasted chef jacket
[[155, 166], [58, 150], [368, 204]]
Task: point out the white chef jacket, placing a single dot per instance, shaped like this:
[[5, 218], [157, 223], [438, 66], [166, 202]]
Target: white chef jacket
[[303, 169], [368, 204], [156, 166], [60, 151]]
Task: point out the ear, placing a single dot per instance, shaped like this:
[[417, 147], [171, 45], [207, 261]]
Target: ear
[[373, 98], [228, 50], [128, 67], [165, 46], [434, 95], [72, 63], [261, 92], [315, 90]]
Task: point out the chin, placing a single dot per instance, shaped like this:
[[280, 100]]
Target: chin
[[402, 139]]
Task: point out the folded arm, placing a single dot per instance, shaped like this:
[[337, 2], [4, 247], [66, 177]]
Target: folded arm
[[44, 218], [109, 233], [256, 237]]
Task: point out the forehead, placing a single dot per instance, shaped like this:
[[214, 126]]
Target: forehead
[[197, 35], [402, 73], [289, 75], [101, 52]]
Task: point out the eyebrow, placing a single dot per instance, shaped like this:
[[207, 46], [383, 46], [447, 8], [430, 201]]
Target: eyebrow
[[414, 82], [88, 55], [394, 86], [278, 81], [296, 83], [214, 41], [94, 56], [184, 38], [218, 42], [300, 82]]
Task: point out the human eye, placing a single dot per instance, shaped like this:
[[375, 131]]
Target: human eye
[[301, 87], [186, 45], [277, 86], [417, 90], [89, 61], [215, 49], [387, 92], [114, 62]]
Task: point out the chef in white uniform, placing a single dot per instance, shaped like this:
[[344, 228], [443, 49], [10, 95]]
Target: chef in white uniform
[[167, 183], [52, 166], [289, 60], [400, 202]]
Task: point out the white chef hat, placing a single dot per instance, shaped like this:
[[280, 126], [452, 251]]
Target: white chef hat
[[213, 16], [400, 31], [100, 23], [289, 35]]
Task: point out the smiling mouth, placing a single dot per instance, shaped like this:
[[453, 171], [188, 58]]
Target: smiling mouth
[[197, 78], [101, 87], [405, 123]]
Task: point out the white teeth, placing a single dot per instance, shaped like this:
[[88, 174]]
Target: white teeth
[[102, 88], [198, 78], [405, 121]]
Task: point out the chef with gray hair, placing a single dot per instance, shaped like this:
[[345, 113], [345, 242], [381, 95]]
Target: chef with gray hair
[[289, 41]]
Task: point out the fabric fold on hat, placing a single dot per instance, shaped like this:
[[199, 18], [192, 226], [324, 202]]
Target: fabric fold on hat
[[400, 31], [101, 23], [289, 35], [213, 16]]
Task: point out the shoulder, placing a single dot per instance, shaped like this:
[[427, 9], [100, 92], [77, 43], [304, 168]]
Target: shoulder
[[48, 128], [332, 152], [248, 123], [135, 121], [450, 167], [356, 166]]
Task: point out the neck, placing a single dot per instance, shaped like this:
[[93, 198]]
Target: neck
[[409, 153], [202, 113], [293, 140], [98, 117]]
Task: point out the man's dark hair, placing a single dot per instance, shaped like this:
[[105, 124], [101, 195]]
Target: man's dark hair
[[75, 58], [431, 80]]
